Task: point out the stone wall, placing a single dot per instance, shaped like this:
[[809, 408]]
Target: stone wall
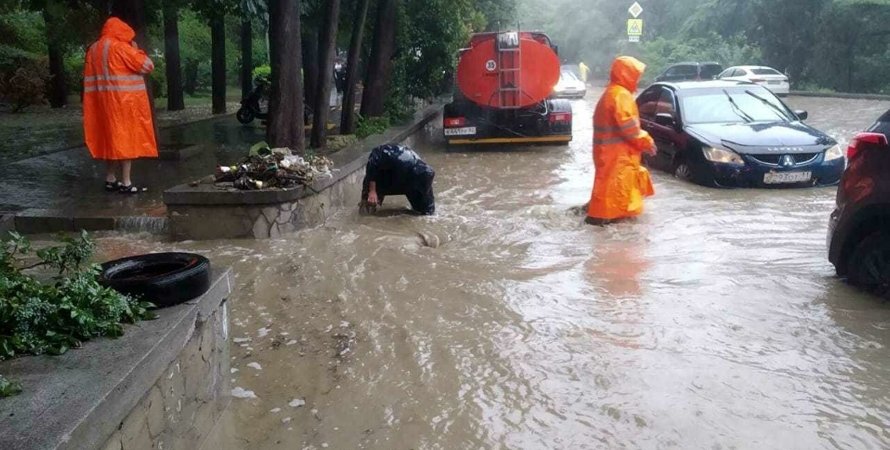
[[262, 221], [181, 408], [162, 385]]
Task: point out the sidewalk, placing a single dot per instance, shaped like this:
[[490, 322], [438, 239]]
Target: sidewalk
[[64, 189], [68, 185]]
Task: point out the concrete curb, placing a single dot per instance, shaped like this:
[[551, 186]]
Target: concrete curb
[[839, 95]]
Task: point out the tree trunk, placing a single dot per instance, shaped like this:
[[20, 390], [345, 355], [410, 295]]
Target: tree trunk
[[133, 13], [327, 50], [380, 62], [246, 57], [310, 65], [58, 88], [175, 100], [285, 127], [218, 63], [347, 117]]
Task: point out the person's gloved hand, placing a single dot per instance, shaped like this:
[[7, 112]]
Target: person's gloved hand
[[652, 151]]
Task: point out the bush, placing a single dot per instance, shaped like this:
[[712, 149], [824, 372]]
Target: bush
[[264, 71], [158, 78], [371, 125], [74, 70], [25, 86], [38, 317]]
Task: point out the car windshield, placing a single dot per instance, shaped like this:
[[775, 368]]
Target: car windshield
[[568, 76], [765, 71], [732, 105]]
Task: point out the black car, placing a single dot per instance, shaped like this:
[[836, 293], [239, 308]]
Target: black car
[[691, 71], [859, 231], [735, 134]]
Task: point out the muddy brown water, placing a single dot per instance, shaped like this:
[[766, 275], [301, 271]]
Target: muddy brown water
[[713, 322]]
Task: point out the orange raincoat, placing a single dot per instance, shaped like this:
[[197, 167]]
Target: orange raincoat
[[620, 182], [117, 122]]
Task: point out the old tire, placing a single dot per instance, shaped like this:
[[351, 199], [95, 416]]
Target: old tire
[[164, 279], [869, 264], [244, 115]]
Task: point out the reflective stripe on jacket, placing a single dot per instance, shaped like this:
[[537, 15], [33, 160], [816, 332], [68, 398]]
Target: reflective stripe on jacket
[[620, 181], [117, 118]]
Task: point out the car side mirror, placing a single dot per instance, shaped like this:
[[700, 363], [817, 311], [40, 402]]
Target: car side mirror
[[665, 120], [801, 114]]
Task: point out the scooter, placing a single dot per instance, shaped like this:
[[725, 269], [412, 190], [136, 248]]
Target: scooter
[[256, 104]]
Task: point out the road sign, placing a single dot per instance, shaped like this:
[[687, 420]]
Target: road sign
[[635, 10], [634, 27]]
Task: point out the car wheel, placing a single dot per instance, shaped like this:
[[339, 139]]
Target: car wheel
[[869, 266], [164, 279], [682, 170], [244, 115]]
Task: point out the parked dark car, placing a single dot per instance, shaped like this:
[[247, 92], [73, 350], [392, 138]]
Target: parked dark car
[[691, 71], [735, 134], [859, 230]]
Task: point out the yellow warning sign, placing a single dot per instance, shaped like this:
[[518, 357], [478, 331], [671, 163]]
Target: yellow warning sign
[[634, 27]]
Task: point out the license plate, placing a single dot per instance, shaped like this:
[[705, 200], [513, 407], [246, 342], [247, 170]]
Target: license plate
[[464, 131], [787, 177]]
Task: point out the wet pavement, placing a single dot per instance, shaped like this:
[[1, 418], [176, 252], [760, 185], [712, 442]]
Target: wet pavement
[[72, 181], [713, 322]]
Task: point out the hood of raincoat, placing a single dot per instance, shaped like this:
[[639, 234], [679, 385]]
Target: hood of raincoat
[[115, 28], [626, 72]]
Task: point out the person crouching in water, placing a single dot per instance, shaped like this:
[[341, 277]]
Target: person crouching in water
[[397, 170], [620, 182]]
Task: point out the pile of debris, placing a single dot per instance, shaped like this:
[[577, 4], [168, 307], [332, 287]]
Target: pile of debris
[[266, 168]]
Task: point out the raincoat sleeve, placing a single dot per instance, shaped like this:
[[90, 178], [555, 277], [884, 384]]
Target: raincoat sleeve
[[135, 59], [627, 116]]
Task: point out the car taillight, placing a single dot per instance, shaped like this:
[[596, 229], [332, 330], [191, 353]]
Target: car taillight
[[863, 140], [451, 122], [560, 117]]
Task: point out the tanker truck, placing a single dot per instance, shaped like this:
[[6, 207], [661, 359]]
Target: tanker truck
[[503, 82]]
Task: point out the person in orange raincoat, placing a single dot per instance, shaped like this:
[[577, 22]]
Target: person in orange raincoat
[[620, 182], [117, 120]]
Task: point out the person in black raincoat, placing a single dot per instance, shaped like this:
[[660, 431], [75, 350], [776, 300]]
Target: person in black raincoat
[[398, 170]]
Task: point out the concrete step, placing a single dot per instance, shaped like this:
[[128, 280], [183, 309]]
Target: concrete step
[[42, 221]]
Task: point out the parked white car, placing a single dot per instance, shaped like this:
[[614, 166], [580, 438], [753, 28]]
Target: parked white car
[[767, 77], [569, 86]]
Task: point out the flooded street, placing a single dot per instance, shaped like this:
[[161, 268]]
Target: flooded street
[[715, 321]]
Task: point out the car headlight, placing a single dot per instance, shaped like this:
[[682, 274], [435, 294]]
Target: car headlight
[[722, 156], [833, 153]]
